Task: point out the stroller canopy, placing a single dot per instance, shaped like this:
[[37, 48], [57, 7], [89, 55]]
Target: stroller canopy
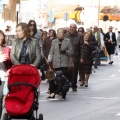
[[24, 73]]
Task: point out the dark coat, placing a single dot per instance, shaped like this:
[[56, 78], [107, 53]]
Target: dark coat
[[113, 38], [110, 46], [46, 46], [60, 81], [76, 41], [94, 43], [86, 53], [93, 40]]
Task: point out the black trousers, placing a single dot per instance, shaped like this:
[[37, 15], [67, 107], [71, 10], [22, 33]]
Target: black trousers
[[52, 86], [42, 69], [43, 75], [73, 74], [1, 96], [70, 74], [64, 91], [110, 48], [97, 59]]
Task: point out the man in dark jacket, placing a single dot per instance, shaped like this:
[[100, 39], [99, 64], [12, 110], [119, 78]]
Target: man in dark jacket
[[110, 42], [58, 85], [76, 41]]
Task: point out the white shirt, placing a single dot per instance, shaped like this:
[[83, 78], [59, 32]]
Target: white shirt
[[110, 33]]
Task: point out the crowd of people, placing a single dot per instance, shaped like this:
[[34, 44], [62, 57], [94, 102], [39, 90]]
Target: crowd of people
[[53, 49]]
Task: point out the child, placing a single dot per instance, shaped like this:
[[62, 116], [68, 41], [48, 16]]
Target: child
[[57, 84]]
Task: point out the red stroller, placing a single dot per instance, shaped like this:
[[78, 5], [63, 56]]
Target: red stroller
[[22, 99]]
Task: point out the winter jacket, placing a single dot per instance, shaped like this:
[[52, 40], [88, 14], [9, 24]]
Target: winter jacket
[[86, 53], [76, 41], [33, 50], [60, 60], [60, 81]]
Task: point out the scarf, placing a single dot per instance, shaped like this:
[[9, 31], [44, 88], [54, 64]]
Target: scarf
[[98, 37]]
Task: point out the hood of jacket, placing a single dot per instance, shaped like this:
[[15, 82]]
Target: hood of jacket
[[58, 73]]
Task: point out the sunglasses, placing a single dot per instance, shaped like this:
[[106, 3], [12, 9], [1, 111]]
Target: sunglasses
[[32, 24]]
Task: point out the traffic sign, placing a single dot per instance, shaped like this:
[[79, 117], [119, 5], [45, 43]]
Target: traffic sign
[[51, 16], [66, 16]]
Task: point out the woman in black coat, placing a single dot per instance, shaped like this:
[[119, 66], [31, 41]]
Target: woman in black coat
[[86, 61]]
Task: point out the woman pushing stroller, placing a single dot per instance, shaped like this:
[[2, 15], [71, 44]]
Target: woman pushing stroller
[[25, 50]]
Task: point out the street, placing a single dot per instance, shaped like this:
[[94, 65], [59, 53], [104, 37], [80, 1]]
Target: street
[[100, 101]]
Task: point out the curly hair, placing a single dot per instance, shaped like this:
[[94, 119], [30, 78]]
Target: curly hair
[[54, 32]]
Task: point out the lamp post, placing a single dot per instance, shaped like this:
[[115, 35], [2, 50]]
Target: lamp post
[[98, 11], [17, 12]]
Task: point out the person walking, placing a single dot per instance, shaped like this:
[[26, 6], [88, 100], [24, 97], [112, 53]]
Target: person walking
[[100, 39], [5, 64], [60, 51], [86, 61], [48, 41], [76, 41], [110, 42], [34, 32]]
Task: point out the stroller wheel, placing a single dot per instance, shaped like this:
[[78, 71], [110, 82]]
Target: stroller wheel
[[5, 117], [32, 118], [40, 116]]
